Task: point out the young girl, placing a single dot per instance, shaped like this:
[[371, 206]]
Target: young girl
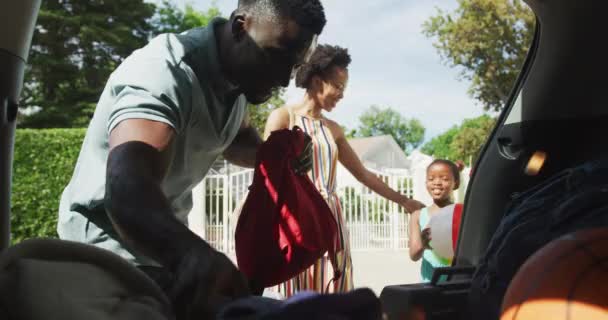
[[442, 178]]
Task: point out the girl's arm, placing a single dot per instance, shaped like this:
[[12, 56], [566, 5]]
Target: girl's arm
[[416, 247]]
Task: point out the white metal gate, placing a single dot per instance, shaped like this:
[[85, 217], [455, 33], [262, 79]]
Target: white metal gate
[[215, 198], [373, 222]]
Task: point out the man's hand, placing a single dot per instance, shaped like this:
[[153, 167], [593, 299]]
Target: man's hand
[[242, 151], [411, 205], [303, 163], [204, 281]]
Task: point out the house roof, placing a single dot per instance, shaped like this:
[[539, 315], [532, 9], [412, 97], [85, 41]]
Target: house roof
[[380, 152]]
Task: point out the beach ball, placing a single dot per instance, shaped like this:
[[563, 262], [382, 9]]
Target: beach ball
[[445, 225]]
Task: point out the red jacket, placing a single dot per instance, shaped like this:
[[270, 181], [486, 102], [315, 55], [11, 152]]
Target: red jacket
[[285, 224]]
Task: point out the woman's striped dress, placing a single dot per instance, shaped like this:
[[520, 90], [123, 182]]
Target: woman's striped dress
[[325, 152]]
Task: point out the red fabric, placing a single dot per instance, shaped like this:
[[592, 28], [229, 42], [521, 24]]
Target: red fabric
[[285, 224], [456, 217]]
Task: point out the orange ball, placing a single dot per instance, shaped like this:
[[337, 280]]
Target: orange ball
[[566, 279]]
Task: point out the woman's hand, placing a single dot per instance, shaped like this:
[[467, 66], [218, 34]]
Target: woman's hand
[[411, 205]]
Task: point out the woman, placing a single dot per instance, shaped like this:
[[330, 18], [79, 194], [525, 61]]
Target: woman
[[324, 78]]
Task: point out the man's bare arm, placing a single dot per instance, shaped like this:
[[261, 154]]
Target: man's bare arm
[[140, 152]]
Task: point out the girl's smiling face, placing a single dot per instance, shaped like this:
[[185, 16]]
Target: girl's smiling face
[[440, 181]]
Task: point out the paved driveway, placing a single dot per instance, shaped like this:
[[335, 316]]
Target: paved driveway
[[376, 269]]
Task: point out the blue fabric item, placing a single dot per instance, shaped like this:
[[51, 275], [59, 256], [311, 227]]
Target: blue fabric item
[[572, 200], [301, 296], [360, 304]]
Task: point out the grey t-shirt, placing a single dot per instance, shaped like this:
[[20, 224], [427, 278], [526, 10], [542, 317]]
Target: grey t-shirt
[[175, 79]]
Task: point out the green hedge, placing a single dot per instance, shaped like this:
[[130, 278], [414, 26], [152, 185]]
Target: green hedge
[[43, 166]]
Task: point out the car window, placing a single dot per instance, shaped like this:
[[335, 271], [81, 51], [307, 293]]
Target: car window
[[515, 114]]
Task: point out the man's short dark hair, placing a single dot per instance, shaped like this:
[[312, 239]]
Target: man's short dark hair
[[322, 60], [306, 13]]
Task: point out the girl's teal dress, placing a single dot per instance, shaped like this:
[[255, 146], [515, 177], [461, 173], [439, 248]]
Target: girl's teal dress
[[430, 260]]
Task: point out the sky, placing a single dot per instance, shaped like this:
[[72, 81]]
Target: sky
[[393, 63]]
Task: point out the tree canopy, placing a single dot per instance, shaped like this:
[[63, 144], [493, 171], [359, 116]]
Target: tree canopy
[[76, 45], [461, 142], [408, 133], [488, 40]]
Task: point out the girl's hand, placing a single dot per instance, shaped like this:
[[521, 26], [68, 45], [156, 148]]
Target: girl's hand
[[425, 235]]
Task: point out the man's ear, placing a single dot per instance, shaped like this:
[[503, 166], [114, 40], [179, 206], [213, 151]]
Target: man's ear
[[239, 22]]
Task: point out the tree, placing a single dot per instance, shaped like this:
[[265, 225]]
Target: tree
[[471, 137], [489, 39], [171, 19], [440, 146], [75, 47], [461, 142], [408, 133]]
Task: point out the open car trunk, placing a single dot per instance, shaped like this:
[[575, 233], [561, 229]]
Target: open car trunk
[[558, 106]]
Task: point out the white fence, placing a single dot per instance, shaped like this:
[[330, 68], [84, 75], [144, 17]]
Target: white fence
[[215, 198], [373, 222]]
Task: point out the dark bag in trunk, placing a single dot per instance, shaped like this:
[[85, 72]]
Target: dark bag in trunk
[[574, 199]]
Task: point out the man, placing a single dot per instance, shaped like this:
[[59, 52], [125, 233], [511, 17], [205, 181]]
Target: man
[[167, 112]]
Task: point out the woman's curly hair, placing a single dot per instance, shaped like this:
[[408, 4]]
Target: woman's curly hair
[[322, 60]]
